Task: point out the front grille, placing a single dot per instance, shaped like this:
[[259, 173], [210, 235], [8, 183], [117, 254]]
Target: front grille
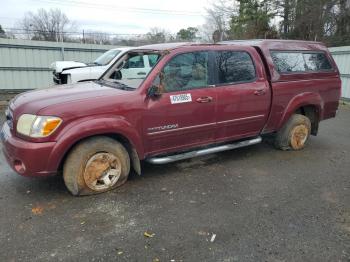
[[9, 118]]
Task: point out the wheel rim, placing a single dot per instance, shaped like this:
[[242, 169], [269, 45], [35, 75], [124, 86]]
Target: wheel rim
[[102, 171], [299, 136]]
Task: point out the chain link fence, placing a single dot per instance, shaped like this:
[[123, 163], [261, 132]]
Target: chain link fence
[[2, 116]]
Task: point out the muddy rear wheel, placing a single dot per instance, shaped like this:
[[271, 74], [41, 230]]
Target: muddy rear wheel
[[96, 165], [294, 134]]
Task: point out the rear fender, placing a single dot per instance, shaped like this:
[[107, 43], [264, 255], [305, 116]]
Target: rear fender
[[303, 99]]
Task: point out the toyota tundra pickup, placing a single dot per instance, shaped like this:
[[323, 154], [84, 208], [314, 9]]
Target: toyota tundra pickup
[[197, 99]]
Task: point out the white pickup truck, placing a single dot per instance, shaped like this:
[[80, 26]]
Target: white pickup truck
[[68, 72]]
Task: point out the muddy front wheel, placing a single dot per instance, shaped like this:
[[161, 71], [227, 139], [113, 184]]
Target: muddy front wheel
[[96, 165]]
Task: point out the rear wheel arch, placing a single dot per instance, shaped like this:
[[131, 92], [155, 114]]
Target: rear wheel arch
[[313, 113], [308, 104]]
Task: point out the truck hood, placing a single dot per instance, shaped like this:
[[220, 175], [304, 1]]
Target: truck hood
[[59, 66], [33, 101]]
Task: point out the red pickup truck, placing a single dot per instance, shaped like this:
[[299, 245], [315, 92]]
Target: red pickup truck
[[197, 99]]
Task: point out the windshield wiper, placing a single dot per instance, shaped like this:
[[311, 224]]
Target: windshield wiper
[[114, 84], [122, 85]]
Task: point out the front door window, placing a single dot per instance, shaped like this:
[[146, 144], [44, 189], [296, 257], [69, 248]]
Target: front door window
[[186, 71]]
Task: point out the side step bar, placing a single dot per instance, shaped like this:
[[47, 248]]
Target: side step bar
[[202, 152]]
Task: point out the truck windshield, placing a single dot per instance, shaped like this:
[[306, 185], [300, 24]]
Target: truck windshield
[[131, 69], [106, 58]]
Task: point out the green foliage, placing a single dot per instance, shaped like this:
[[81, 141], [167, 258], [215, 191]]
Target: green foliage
[[316, 20], [188, 34], [253, 20]]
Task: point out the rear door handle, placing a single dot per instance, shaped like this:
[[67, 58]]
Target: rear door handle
[[259, 92], [204, 99], [141, 73]]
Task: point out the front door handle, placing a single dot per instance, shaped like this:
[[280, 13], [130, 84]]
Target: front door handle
[[259, 92], [204, 99], [141, 73]]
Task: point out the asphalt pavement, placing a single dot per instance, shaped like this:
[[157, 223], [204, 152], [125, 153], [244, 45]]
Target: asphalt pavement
[[250, 204]]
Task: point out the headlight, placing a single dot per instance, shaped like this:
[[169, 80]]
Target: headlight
[[37, 126]]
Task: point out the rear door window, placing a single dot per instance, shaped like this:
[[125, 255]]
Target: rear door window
[[234, 67]]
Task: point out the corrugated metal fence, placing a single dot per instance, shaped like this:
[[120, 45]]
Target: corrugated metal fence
[[24, 64], [341, 56]]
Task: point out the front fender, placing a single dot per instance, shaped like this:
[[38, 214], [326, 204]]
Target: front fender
[[303, 99], [92, 126]]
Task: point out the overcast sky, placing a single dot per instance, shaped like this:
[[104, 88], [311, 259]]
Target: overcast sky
[[132, 17]]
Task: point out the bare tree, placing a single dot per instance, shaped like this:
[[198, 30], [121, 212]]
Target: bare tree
[[217, 19], [157, 35], [97, 37], [46, 25], [343, 22]]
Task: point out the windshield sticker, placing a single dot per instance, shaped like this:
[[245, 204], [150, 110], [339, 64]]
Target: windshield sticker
[[182, 98]]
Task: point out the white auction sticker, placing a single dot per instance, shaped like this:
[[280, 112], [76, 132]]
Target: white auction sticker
[[182, 98]]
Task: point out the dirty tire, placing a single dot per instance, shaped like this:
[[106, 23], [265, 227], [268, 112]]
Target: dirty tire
[[96, 165], [294, 134]]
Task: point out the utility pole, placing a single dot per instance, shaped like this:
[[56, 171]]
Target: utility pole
[[62, 47]]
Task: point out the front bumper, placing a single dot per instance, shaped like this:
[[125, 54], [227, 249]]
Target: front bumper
[[32, 156]]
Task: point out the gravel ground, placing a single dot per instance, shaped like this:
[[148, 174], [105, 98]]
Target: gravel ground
[[261, 204]]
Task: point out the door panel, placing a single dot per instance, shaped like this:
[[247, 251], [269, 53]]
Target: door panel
[[184, 115], [243, 95], [242, 110], [170, 126]]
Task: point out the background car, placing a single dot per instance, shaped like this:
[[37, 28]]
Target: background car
[[68, 72]]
